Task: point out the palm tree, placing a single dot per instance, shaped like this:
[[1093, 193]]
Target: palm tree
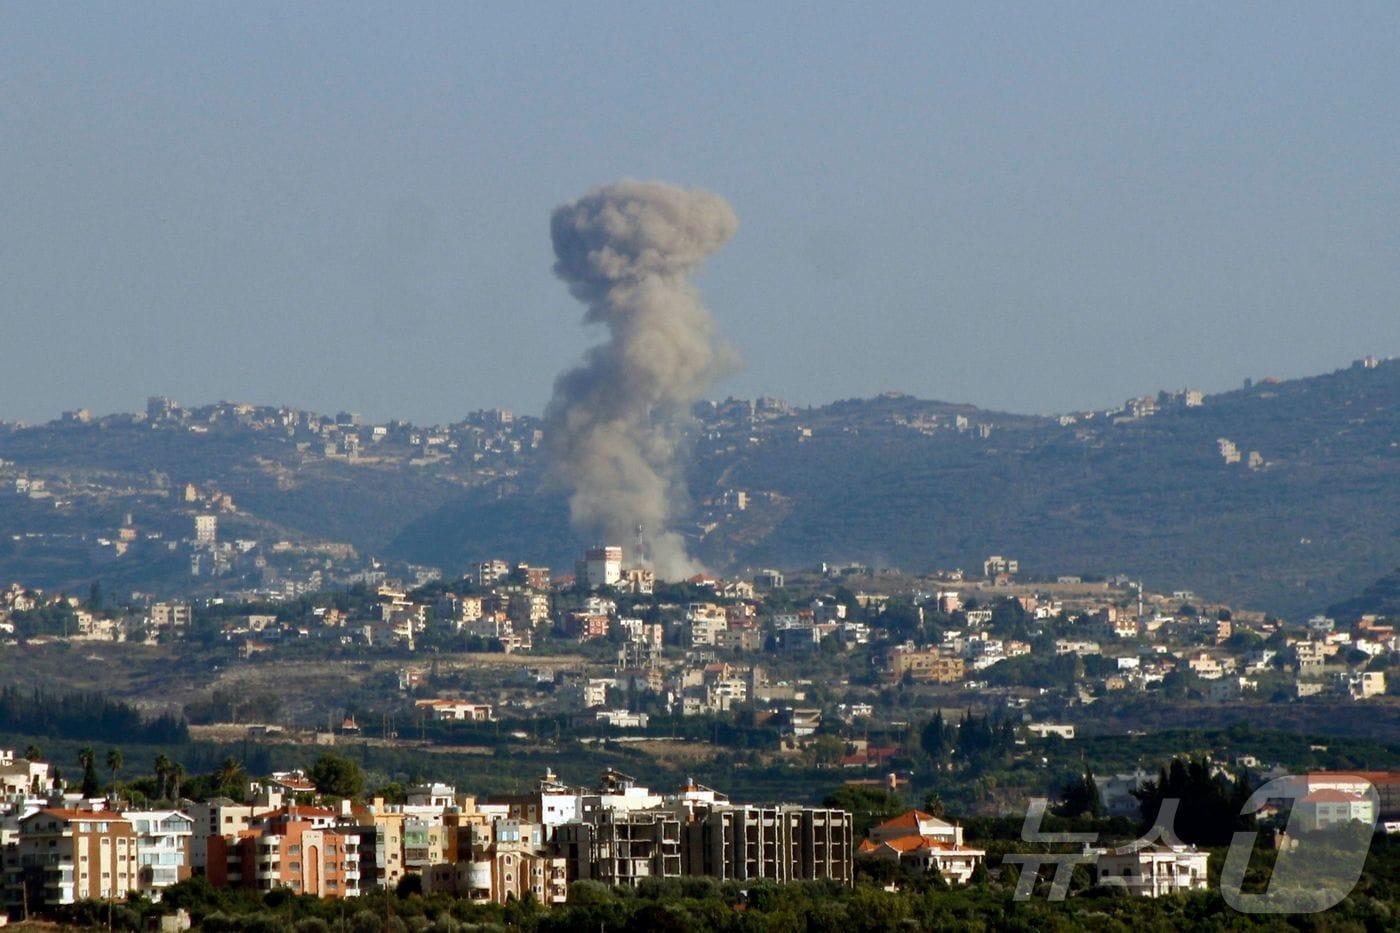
[[162, 769], [177, 773], [229, 775], [115, 760]]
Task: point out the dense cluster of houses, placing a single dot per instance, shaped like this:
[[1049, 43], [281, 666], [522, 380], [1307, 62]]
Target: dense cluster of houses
[[1137, 648], [59, 848]]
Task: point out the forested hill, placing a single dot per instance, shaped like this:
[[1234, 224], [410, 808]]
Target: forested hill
[[889, 481]]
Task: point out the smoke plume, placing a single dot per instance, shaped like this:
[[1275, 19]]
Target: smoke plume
[[615, 423]]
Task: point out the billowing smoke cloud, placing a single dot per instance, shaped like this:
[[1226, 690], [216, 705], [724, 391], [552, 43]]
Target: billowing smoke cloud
[[615, 423]]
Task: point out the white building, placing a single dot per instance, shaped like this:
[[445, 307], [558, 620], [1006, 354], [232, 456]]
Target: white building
[[457, 710], [164, 848], [1363, 685], [206, 530], [1152, 870], [1043, 730], [601, 566], [705, 621], [1329, 807]]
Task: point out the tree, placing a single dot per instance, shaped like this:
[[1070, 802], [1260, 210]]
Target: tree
[[162, 767], [1209, 804], [937, 738], [87, 760], [33, 753], [337, 776], [177, 774], [115, 761], [868, 805], [827, 749], [1081, 797], [230, 779], [933, 804]]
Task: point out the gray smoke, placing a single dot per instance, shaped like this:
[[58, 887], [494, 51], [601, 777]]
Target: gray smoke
[[615, 423]]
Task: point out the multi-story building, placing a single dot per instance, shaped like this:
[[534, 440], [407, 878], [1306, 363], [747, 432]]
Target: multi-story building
[[601, 566], [221, 816], [380, 831], [164, 844], [773, 843], [621, 847], [490, 572], [528, 609], [929, 665], [998, 566], [20, 776], [638, 580], [1327, 807], [424, 843], [61, 856], [1362, 685], [206, 530], [170, 615], [508, 859], [1153, 870], [924, 840], [705, 621], [586, 626], [300, 848]]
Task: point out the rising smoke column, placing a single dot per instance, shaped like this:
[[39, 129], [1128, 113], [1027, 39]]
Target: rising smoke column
[[614, 424]]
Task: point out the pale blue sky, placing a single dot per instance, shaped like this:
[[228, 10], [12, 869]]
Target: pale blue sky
[[1035, 207]]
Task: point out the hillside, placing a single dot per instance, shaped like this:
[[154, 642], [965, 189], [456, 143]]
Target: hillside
[[891, 481], [1381, 598]]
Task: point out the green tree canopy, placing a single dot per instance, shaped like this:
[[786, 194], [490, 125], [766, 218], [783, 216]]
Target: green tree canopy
[[337, 776]]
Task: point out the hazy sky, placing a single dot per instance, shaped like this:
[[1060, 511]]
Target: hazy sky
[[1035, 207]]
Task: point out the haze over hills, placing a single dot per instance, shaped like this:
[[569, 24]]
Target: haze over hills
[[1281, 495]]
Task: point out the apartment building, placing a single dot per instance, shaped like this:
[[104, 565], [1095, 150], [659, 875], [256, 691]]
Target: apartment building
[[779, 843], [926, 665], [221, 816], [705, 621], [621, 847], [299, 848], [61, 856], [508, 859], [379, 829], [601, 566], [424, 842], [164, 846]]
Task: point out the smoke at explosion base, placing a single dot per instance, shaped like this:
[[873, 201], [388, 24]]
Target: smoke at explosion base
[[615, 424]]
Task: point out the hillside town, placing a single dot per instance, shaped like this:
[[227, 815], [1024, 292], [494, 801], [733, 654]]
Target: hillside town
[[713, 646]]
